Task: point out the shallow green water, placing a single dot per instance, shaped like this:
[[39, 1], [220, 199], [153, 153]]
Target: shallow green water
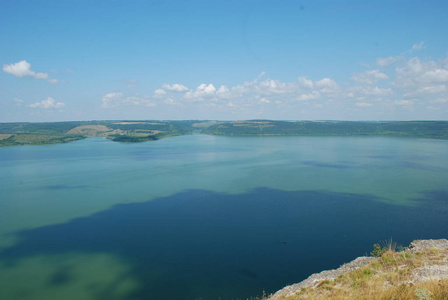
[[205, 216]]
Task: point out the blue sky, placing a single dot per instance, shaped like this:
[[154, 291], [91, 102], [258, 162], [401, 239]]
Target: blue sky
[[292, 60]]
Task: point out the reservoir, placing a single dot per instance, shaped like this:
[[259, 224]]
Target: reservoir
[[208, 217]]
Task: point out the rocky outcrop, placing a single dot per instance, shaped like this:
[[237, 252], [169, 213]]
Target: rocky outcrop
[[315, 279], [433, 271], [438, 269]]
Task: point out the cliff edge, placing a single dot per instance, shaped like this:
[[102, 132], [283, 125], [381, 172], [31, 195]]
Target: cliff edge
[[417, 272]]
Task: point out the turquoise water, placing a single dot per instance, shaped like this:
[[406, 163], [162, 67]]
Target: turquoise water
[[206, 217]]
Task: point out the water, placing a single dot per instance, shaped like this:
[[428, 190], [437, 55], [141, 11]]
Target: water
[[205, 217]]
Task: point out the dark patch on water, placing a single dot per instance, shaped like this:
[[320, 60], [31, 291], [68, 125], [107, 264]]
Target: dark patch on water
[[435, 201], [441, 196], [412, 163], [149, 154], [418, 166], [383, 157], [247, 273], [65, 187], [212, 245], [61, 276], [326, 165]]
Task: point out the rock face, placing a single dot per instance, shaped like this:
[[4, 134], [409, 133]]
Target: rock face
[[315, 279], [421, 245], [433, 271], [428, 272]]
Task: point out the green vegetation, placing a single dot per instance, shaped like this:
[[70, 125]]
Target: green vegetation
[[423, 129], [377, 250], [382, 247], [13, 134], [39, 139]]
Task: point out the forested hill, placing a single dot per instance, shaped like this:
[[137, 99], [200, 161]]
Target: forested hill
[[423, 129], [13, 134]]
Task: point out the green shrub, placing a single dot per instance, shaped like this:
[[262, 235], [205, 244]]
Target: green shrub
[[377, 250]]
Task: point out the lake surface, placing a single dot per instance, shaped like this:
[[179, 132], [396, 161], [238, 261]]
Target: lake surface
[[207, 217]]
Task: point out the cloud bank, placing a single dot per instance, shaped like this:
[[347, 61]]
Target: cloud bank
[[396, 83]]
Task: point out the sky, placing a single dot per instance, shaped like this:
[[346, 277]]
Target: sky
[[223, 60]]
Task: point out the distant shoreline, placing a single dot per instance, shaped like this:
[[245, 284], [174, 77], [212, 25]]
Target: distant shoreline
[[17, 134]]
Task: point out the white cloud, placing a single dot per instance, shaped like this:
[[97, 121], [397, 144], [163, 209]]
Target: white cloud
[[418, 46], [256, 93], [436, 75], [414, 65], [112, 100], [23, 69], [305, 82], [175, 87], [377, 91], [206, 89], [170, 101], [412, 84], [270, 95], [407, 104], [387, 61], [434, 89], [404, 102], [17, 100], [47, 103], [264, 101], [440, 100], [363, 104], [132, 83], [224, 93], [362, 91], [370, 77], [203, 91], [310, 96], [159, 92], [270, 87], [432, 107], [138, 101], [327, 85], [418, 76], [223, 90]]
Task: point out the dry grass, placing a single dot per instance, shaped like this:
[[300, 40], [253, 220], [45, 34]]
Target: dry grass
[[90, 130], [394, 276], [132, 123], [4, 136]]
